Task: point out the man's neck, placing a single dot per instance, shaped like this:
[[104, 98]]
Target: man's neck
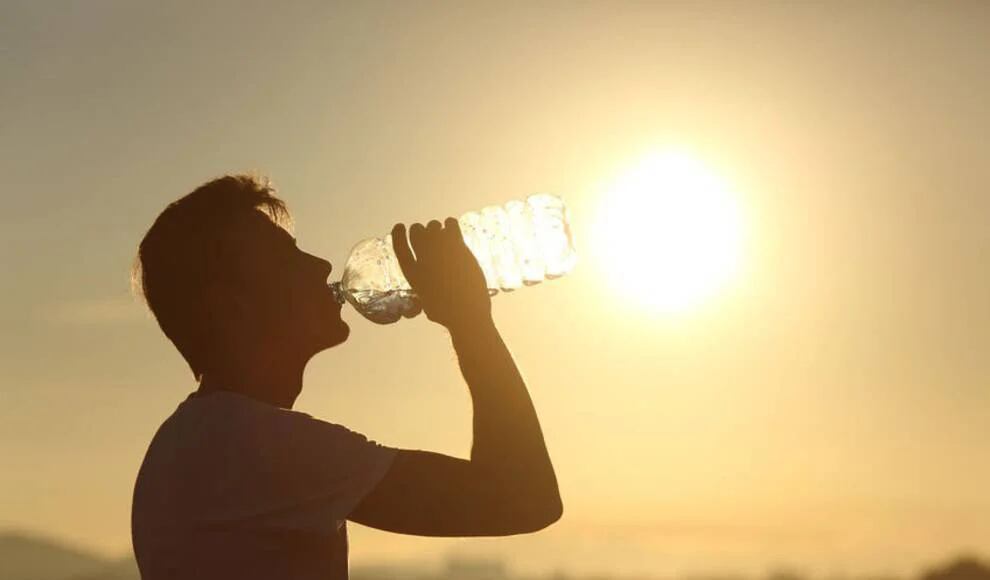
[[277, 385]]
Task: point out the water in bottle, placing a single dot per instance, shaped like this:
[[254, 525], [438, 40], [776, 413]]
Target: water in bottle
[[518, 244]]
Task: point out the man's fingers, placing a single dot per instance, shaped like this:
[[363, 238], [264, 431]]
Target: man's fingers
[[453, 230], [455, 237], [402, 252], [434, 239], [417, 237]]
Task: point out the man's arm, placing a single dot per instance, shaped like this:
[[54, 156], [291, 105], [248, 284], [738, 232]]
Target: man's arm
[[508, 486]]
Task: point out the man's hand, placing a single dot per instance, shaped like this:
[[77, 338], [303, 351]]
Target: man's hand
[[509, 485], [444, 274]]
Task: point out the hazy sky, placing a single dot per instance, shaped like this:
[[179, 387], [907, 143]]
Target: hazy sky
[[830, 409]]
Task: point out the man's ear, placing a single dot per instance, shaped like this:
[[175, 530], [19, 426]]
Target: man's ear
[[225, 303], [238, 304]]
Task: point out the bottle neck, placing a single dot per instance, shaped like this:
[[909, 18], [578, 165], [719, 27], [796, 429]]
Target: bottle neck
[[338, 293]]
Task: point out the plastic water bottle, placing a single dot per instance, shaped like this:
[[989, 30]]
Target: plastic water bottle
[[518, 244]]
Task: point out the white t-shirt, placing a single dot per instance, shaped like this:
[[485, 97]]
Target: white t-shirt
[[235, 488]]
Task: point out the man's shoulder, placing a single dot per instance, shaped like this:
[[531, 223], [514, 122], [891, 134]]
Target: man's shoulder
[[225, 415], [229, 407]]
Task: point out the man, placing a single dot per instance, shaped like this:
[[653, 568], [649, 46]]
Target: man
[[237, 485]]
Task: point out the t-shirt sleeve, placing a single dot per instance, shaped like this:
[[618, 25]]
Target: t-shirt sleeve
[[317, 472], [361, 463]]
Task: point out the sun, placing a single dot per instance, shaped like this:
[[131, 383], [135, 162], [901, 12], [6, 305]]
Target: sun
[[669, 233]]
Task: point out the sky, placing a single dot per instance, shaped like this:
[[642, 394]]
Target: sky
[[828, 410]]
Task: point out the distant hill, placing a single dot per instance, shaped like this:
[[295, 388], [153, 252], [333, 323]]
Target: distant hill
[[32, 557], [125, 569], [26, 556]]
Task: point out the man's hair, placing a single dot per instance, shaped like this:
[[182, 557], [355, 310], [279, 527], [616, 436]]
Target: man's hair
[[181, 257]]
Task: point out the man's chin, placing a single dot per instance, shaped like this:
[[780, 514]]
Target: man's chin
[[345, 332], [339, 335]]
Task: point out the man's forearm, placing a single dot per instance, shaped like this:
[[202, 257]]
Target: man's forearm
[[508, 441]]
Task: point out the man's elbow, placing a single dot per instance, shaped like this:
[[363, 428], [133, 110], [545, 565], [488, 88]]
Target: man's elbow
[[542, 514], [554, 512]]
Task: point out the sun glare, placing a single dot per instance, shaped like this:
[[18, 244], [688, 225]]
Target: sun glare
[[669, 233]]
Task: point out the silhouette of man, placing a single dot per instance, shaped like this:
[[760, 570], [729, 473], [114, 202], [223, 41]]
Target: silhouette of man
[[235, 484]]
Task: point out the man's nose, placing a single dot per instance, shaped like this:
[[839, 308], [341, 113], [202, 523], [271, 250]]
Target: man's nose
[[324, 267]]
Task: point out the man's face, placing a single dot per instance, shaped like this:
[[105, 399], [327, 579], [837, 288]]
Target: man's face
[[282, 290]]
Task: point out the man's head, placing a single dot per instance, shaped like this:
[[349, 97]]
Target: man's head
[[226, 282]]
